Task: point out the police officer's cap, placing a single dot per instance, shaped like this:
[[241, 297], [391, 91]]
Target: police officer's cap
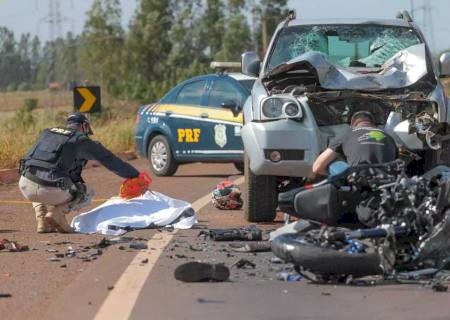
[[79, 118]]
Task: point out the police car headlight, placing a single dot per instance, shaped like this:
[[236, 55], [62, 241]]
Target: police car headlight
[[281, 106]]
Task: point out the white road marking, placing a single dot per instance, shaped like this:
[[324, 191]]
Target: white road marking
[[120, 302]]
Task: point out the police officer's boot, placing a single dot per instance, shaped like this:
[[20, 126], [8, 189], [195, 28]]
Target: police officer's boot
[[43, 226], [57, 218]]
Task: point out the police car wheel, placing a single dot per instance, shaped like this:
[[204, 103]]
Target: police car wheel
[[160, 157], [262, 196]]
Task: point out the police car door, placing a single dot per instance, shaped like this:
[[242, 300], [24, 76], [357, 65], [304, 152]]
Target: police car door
[[184, 114], [223, 128]]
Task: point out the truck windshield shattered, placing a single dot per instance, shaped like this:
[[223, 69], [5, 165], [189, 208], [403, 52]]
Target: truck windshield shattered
[[363, 46]]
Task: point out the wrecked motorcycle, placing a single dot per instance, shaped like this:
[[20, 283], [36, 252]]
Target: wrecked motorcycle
[[397, 223]]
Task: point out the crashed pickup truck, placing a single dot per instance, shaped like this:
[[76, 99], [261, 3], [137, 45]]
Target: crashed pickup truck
[[315, 75]]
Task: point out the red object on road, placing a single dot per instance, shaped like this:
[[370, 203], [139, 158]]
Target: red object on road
[[135, 187], [227, 196]]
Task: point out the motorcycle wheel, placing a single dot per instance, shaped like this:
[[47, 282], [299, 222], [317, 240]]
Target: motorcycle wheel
[[302, 252]]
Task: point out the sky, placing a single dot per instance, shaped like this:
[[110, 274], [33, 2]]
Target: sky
[[29, 15]]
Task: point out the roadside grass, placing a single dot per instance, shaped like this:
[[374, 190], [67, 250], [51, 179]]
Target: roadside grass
[[11, 101], [19, 131]]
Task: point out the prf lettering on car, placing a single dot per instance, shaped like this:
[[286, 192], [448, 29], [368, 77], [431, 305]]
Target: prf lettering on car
[[189, 135]]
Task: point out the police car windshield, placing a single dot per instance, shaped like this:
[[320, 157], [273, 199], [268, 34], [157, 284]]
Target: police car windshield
[[344, 45], [247, 84]]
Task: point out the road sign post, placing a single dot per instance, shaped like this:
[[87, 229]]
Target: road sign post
[[87, 99]]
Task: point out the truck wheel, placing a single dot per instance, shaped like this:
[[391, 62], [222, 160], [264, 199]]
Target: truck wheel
[[239, 166], [261, 204], [160, 157]]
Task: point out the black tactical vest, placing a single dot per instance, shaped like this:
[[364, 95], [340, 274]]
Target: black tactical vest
[[55, 152]]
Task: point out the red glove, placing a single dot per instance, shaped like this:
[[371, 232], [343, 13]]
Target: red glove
[[135, 187]]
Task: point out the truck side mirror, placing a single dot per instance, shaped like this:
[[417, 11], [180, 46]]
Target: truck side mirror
[[444, 65], [250, 64]]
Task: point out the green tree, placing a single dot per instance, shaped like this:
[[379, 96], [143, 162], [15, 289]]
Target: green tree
[[9, 60], [35, 59], [237, 36], [101, 45], [24, 72], [213, 26], [187, 55], [147, 49]]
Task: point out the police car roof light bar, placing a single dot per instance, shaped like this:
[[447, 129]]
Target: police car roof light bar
[[222, 66]]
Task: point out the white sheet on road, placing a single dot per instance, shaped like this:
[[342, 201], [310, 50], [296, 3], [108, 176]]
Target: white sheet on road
[[151, 208]]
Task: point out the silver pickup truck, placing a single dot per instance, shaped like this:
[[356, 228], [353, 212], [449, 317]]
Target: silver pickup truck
[[315, 75]]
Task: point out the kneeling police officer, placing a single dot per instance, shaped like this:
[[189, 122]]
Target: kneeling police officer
[[51, 172]]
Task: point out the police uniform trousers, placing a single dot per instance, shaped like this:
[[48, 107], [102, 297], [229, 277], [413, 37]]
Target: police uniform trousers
[[44, 199]]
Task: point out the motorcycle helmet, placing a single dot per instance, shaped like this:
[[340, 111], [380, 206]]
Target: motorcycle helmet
[[227, 196]]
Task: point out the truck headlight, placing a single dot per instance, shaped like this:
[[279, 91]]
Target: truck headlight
[[281, 106], [291, 109], [272, 108]]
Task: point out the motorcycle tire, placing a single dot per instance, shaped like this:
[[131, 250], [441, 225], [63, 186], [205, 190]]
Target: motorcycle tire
[[298, 250]]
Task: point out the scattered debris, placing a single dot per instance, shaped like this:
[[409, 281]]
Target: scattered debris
[[5, 295], [54, 259], [138, 245], [110, 288], [51, 250], [276, 260], [325, 293], [438, 286], [243, 263], [63, 266], [260, 246], [144, 260], [242, 234], [63, 242], [12, 246], [192, 248], [289, 276]]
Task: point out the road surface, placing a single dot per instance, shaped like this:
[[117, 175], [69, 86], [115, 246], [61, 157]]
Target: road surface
[[120, 285]]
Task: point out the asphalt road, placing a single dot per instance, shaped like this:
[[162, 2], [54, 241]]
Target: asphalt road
[[118, 284]]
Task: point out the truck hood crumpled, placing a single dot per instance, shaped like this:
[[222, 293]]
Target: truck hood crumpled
[[405, 68]]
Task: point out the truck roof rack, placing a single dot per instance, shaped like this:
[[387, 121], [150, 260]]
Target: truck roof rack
[[404, 15]]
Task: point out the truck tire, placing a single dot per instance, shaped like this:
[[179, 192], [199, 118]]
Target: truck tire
[[261, 204], [160, 157]]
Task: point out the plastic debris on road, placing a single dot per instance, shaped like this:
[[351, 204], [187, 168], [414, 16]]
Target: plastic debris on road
[[289, 277], [118, 216], [12, 246]]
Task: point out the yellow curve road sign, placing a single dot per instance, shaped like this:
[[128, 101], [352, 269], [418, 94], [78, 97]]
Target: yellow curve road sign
[[87, 99]]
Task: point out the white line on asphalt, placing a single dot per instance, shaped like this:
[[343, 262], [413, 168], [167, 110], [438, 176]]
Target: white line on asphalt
[[120, 302]]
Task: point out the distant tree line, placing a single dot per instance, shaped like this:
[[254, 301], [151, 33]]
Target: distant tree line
[[166, 41]]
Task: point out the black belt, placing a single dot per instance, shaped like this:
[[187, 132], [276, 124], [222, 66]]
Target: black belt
[[62, 184]]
